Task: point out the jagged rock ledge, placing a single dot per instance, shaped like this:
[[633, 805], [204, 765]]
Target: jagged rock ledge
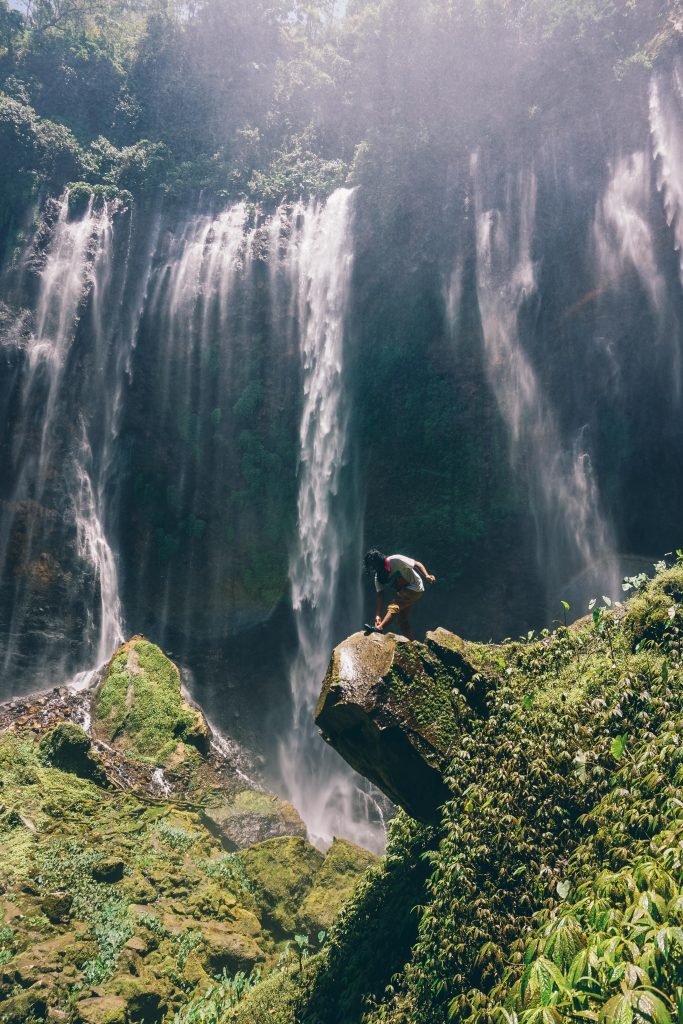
[[394, 710]]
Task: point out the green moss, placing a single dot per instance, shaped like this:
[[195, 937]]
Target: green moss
[[282, 872], [249, 801], [15, 754], [334, 884], [424, 689], [566, 804]]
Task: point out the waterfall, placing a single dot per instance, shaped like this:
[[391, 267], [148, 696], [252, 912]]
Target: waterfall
[[666, 134], [330, 798], [625, 244], [56, 502], [666, 130], [200, 286], [571, 532], [622, 230]]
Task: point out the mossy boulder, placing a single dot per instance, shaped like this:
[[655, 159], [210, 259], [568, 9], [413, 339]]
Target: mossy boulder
[[57, 907], [145, 996], [252, 817], [139, 708], [110, 869], [283, 872], [226, 949], [68, 747], [334, 884], [23, 1007], [395, 710], [101, 1010]]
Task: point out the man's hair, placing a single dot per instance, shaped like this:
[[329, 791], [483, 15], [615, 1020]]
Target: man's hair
[[374, 562]]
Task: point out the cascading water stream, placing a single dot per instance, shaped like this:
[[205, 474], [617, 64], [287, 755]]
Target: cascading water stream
[[666, 130], [321, 786], [48, 459], [194, 302], [571, 533], [624, 243]]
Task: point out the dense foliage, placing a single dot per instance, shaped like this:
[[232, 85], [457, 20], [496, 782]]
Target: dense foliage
[[278, 97]]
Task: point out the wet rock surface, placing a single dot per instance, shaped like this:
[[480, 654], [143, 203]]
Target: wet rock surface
[[251, 817], [395, 709]]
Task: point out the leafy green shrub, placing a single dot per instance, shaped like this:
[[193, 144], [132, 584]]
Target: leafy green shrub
[[211, 1006], [7, 949], [177, 838], [111, 929], [81, 194]]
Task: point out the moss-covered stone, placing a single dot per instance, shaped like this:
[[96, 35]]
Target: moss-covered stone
[[139, 708], [334, 884], [391, 708], [283, 872], [101, 1010], [251, 817], [23, 1007], [68, 746], [145, 996], [57, 907], [225, 949]]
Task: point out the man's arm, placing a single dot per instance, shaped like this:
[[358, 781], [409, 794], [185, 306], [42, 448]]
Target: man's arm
[[420, 568]]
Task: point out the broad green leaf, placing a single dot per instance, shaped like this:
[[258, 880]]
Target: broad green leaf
[[617, 1010], [651, 1008], [540, 980], [618, 746]]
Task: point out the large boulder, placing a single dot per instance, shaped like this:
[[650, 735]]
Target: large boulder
[[395, 710], [224, 949], [251, 817], [139, 708], [68, 747]]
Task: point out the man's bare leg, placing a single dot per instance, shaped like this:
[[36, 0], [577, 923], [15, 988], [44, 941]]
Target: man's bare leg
[[403, 623]]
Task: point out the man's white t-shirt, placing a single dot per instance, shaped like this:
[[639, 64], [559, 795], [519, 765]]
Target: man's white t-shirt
[[401, 565]]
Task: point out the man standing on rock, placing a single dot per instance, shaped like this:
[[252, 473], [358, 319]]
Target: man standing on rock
[[404, 576]]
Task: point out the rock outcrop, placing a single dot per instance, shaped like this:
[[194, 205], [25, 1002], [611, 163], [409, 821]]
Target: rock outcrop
[[395, 711]]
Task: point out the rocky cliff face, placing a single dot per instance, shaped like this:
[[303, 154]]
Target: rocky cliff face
[[396, 710], [138, 864]]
